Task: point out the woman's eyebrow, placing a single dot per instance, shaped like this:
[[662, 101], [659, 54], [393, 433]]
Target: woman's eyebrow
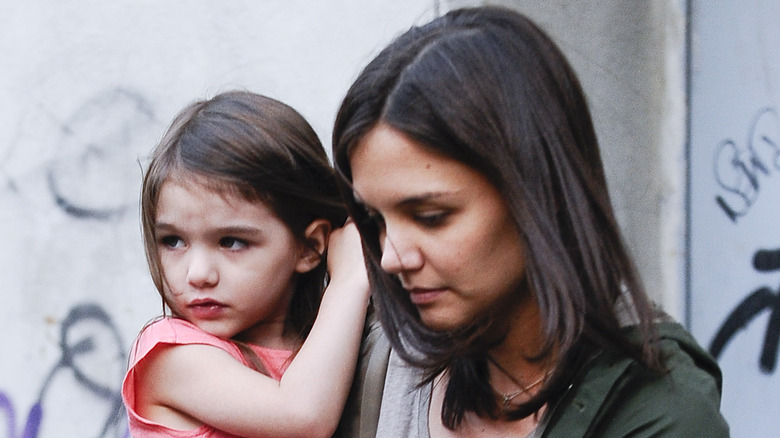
[[411, 200], [425, 197]]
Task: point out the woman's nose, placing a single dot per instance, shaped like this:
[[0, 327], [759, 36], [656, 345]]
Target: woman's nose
[[202, 270], [399, 256]]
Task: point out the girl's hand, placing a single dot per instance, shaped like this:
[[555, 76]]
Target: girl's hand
[[345, 257]]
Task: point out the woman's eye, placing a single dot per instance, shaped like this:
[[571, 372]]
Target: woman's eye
[[431, 219], [172, 242], [232, 243]]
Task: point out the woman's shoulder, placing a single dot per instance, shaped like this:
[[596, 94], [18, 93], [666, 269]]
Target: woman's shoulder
[[617, 396], [684, 401]]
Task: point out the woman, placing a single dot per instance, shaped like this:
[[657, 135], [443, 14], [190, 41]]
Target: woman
[[500, 278]]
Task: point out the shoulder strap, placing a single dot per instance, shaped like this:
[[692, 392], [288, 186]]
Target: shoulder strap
[[374, 384], [361, 413]]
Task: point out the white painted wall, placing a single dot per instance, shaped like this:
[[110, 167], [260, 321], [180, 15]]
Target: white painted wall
[[735, 243]]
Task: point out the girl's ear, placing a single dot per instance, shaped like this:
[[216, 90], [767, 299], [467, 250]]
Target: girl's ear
[[315, 243]]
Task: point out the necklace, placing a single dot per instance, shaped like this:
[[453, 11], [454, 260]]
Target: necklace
[[507, 397]]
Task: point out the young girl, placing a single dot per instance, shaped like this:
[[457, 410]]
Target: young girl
[[239, 205]]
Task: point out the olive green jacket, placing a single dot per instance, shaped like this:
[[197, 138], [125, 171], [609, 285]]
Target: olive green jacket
[[613, 396]]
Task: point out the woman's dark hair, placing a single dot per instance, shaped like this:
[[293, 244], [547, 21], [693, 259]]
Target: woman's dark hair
[[262, 150], [488, 88]]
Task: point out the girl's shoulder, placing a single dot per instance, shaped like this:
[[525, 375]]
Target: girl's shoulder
[[175, 331], [166, 331], [174, 328]]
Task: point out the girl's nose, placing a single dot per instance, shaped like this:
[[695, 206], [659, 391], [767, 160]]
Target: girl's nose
[[399, 256], [202, 270]]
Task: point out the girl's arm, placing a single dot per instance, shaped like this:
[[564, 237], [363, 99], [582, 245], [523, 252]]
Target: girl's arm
[[203, 384]]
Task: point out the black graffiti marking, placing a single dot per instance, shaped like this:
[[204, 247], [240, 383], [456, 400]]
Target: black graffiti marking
[[766, 260], [760, 300], [93, 174], [72, 349], [74, 346], [738, 170]]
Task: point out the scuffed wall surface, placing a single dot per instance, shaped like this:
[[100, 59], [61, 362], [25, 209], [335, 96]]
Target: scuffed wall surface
[[86, 89], [629, 56]]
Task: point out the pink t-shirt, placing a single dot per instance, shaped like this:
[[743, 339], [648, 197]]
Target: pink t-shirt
[[175, 331]]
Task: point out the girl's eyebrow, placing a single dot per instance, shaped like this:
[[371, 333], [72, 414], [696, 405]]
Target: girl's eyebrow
[[239, 229], [164, 226], [230, 229]]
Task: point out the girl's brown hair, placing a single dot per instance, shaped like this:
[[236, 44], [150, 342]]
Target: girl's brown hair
[[258, 148]]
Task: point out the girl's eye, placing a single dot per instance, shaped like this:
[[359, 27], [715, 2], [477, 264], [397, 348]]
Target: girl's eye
[[172, 242], [232, 243]]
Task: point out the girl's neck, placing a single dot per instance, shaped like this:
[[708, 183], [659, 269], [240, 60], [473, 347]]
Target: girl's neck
[[277, 335]]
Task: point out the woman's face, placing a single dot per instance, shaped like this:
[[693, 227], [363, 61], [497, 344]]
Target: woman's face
[[445, 231]]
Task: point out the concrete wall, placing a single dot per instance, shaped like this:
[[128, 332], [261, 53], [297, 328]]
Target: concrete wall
[[87, 88], [630, 56]]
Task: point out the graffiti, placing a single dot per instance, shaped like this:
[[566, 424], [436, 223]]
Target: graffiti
[[760, 300], [92, 359], [739, 168], [94, 175], [88, 169], [33, 419]]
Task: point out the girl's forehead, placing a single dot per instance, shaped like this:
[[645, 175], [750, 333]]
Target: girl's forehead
[[190, 192], [211, 183], [183, 202]]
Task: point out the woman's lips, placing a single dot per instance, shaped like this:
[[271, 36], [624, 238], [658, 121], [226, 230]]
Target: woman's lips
[[206, 309], [423, 297]]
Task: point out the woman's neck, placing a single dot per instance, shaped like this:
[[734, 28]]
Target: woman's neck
[[520, 337], [472, 424], [514, 367]]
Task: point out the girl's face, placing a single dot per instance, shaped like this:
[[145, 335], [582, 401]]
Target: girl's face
[[229, 264], [445, 230]]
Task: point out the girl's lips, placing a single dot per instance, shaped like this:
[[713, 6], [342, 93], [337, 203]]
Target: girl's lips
[[206, 309], [422, 297]]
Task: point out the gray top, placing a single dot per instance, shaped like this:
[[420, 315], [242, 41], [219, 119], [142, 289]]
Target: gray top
[[404, 412], [405, 405]]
